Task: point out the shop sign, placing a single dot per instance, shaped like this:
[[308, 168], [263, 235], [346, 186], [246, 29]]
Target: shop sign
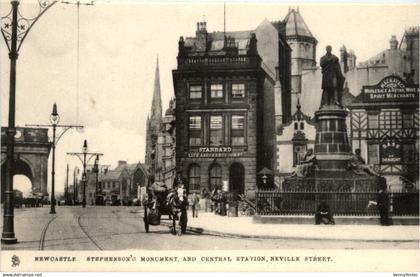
[[214, 152], [390, 89], [390, 152]]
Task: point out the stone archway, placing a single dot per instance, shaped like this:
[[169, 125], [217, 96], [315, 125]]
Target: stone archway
[[21, 168], [32, 149]]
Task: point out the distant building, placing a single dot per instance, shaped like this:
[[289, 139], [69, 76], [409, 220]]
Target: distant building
[[228, 104], [401, 59], [153, 125], [293, 140], [393, 120], [303, 45], [385, 126], [123, 182], [165, 170]]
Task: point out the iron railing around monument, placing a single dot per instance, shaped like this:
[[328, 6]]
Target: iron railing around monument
[[341, 203]]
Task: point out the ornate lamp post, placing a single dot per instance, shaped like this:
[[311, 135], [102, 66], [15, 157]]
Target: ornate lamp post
[[14, 28], [85, 157], [54, 119]]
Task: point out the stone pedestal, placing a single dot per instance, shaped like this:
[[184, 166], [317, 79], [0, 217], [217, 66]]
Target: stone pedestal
[[332, 148], [333, 152]]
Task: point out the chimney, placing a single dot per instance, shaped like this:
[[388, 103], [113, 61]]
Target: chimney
[[201, 34], [393, 43], [121, 163]]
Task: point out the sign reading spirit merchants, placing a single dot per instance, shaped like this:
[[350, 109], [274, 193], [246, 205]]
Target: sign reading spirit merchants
[[389, 89]]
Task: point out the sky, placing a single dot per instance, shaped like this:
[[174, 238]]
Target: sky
[[119, 44]]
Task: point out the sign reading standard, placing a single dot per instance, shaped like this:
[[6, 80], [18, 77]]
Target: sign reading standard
[[390, 89], [214, 152]]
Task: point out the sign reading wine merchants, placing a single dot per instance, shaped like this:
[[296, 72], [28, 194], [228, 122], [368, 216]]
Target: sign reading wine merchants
[[390, 89]]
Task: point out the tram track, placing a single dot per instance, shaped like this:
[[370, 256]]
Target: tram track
[[87, 234], [43, 234]]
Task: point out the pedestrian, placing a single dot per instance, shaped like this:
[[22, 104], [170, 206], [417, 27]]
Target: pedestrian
[[323, 214], [195, 201], [383, 203]]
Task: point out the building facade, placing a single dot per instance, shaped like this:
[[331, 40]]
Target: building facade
[[123, 183], [225, 108], [396, 66], [165, 170], [303, 45], [401, 58], [385, 127]]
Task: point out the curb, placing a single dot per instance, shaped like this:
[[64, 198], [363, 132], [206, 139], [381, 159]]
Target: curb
[[202, 231]]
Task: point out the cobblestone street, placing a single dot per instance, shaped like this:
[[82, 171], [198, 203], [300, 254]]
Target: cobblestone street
[[121, 228]]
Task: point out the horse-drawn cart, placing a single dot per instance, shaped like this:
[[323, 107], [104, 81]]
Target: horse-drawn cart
[[166, 204]]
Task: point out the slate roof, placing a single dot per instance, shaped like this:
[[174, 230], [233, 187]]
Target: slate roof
[[295, 25]]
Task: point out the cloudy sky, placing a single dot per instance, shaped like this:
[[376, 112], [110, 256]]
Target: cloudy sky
[[119, 43]]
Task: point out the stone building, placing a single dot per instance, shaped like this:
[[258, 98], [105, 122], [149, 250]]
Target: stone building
[[303, 45], [385, 127], [398, 63], [294, 138], [165, 170], [401, 59], [226, 97], [123, 182]]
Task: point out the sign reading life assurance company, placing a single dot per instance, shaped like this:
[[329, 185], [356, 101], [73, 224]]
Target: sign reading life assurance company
[[391, 89]]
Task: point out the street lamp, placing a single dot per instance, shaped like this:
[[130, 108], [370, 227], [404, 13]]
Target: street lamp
[[54, 119], [14, 28], [84, 161]]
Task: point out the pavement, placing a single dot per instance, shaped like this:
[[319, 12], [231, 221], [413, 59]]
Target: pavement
[[242, 226]]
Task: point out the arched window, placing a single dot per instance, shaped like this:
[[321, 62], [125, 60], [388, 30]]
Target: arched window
[[215, 177], [194, 177], [302, 126]]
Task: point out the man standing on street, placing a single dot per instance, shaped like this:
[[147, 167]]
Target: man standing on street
[[195, 204]]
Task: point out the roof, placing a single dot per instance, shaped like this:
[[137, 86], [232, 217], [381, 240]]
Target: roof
[[296, 26], [216, 42]]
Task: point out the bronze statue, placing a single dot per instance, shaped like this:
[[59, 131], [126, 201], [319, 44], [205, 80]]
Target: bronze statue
[[332, 80]]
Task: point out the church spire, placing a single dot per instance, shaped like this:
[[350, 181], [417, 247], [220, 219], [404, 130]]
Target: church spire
[[156, 109]]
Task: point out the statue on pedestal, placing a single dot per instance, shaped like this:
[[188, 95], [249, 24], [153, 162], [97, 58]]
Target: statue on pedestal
[[332, 80]]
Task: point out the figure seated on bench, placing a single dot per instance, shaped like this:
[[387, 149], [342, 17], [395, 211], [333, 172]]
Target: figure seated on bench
[[323, 214]]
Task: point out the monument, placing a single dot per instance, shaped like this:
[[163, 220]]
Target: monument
[[334, 167]]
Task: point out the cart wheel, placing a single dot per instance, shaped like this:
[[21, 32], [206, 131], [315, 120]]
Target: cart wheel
[[183, 221], [146, 220]]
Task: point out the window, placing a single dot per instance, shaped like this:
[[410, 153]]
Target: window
[[196, 92], [194, 128], [409, 153], [215, 177], [408, 120], [194, 177], [216, 130], [238, 127], [216, 91], [390, 120], [373, 121], [238, 91], [373, 154], [302, 126]]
